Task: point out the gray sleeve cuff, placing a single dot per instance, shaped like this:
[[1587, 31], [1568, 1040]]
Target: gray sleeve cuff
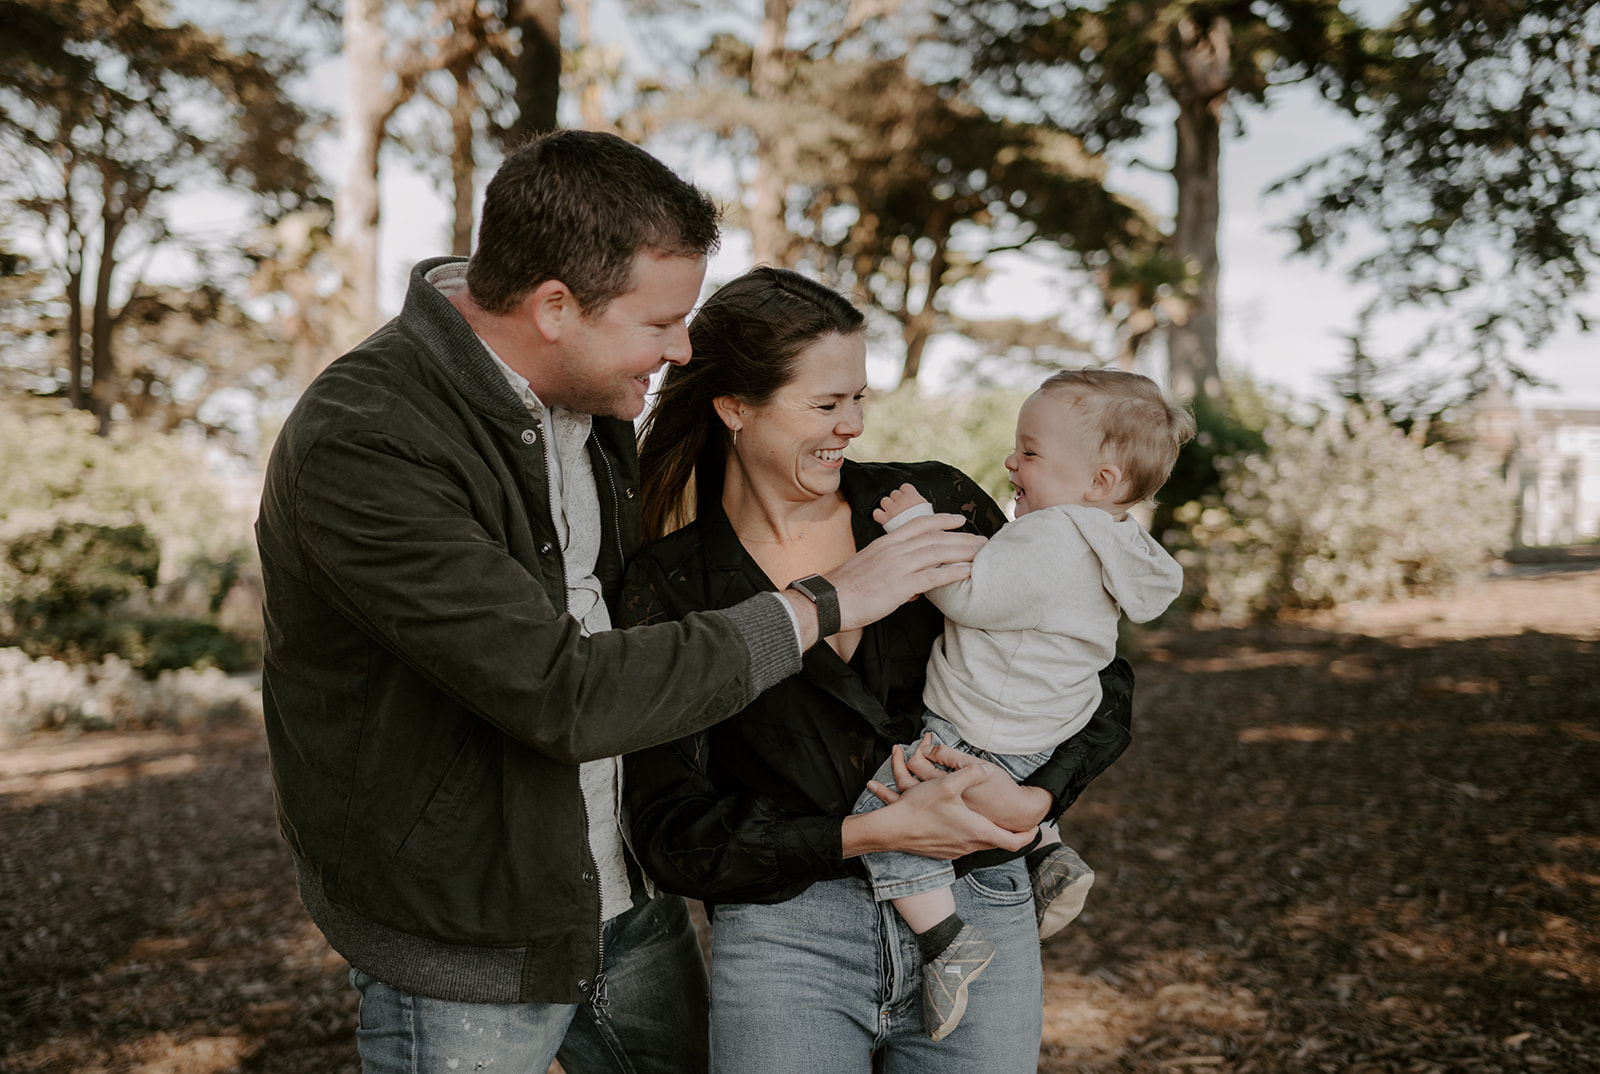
[[768, 628]]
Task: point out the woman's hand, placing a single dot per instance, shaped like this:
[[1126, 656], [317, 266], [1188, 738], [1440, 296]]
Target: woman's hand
[[1014, 807], [929, 817]]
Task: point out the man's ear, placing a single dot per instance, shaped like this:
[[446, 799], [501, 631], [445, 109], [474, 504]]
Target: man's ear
[[730, 410], [551, 306]]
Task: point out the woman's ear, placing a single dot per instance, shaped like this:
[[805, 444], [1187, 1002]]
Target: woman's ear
[[730, 410]]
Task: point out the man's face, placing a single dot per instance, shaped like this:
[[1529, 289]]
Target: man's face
[[608, 359]]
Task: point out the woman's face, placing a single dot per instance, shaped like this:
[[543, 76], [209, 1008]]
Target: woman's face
[[793, 445]]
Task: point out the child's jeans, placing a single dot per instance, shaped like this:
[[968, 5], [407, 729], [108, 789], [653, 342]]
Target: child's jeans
[[895, 873]]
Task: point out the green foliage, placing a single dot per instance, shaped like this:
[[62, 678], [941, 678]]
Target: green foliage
[[114, 545], [895, 186], [1480, 176], [74, 569], [108, 114], [154, 644], [1350, 509], [972, 432], [1221, 433]]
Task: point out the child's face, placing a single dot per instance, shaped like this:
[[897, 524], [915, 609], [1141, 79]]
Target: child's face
[[1057, 455]]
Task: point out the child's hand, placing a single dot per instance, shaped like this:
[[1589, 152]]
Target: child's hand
[[900, 500]]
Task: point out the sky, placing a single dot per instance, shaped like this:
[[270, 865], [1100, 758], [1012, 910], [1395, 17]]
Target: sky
[[1283, 319]]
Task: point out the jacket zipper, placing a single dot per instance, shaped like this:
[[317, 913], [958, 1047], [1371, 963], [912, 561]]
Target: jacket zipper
[[598, 1000], [616, 504]]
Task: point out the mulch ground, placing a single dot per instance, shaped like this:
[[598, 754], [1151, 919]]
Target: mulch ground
[[1357, 845]]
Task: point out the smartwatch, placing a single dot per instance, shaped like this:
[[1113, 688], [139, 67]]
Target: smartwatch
[[819, 591]]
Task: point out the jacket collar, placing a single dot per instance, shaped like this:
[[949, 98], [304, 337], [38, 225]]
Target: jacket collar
[[430, 317]]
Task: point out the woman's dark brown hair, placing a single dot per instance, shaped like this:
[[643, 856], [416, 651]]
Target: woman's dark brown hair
[[747, 340]]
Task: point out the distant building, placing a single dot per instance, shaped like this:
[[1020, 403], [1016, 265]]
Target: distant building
[[1552, 466]]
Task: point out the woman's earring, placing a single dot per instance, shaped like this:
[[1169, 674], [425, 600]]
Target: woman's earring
[[735, 437]]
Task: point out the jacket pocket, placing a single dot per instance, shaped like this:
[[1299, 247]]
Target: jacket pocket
[[442, 820]]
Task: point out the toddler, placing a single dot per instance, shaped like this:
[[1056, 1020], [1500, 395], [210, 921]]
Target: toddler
[[1017, 670]]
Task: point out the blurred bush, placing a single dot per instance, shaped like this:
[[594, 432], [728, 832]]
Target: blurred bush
[[972, 432], [46, 694], [118, 546], [1351, 508]]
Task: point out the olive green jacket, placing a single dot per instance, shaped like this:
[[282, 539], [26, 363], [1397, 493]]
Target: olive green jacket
[[427, 699]]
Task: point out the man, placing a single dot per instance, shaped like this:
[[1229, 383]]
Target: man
[[445, 519]]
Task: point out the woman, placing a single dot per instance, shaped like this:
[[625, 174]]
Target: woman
[[746, 484]]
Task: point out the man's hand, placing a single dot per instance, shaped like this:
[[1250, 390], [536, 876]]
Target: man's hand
[[917, 557]]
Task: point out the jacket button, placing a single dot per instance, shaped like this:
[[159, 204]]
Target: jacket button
[[530, 436], [583, 985], [544, 549], [587, 877], [627, 493]]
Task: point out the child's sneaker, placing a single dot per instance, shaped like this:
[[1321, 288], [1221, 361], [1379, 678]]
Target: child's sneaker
[[945, 980], [1061, 883]]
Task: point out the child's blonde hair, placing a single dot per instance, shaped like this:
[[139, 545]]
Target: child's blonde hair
[[1139, 429]]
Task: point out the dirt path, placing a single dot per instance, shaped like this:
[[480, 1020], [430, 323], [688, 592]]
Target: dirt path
[[1359, 844]]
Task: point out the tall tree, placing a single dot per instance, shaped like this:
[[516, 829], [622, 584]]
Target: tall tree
[[476, 61], [894, 186], [107, 110], [1126, 62], [1480, 179]]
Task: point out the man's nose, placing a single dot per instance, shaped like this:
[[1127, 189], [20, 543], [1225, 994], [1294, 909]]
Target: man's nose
[[678, 350]]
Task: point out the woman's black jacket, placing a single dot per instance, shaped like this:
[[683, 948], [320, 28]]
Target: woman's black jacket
[[751, 810]]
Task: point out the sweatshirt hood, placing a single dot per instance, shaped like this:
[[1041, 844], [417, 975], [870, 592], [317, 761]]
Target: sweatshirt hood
[[1139, 574]]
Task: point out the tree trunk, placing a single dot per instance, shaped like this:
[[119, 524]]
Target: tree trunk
[[918, 327], [1202, 55], [537, 68], [355, 213], [462, 159], [102, 362], [75, 394], [769, 81]]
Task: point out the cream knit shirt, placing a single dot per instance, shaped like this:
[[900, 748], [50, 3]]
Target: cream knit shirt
[[575, 507]]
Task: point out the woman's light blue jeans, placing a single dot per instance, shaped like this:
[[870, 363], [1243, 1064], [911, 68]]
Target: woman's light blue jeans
[[656, 1022], [820, 982]]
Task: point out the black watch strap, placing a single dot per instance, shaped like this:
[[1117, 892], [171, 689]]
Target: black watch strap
[[819, 591]]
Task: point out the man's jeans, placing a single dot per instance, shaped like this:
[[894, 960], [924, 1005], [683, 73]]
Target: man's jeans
[[816, 984], [655, 1024]]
